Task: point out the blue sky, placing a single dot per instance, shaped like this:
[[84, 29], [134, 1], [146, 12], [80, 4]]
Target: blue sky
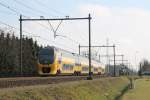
[[124, 22], [68, 6], [62, 7], [125, 3]]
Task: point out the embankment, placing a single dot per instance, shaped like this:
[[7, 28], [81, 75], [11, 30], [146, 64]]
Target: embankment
[[99, 89]]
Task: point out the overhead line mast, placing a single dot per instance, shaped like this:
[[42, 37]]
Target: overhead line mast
[[56, 19], [104, 46]]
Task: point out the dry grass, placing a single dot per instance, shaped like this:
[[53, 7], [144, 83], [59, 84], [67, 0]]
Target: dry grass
[[100, 89], [141, 90]]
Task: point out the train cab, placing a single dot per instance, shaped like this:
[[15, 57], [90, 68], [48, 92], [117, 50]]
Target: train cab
[[46, 62]]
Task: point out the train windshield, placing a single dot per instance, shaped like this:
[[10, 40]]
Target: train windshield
[[46, 56]]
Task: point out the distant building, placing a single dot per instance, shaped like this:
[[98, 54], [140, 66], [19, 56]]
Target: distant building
[[145, 70], [119, 70]]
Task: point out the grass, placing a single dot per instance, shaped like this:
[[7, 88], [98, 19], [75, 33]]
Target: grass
[[140, 92], [100, 89]]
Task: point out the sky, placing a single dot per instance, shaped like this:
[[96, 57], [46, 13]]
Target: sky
[[124, 23]]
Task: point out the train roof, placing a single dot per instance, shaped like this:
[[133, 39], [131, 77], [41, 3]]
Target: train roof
[[74, 54]]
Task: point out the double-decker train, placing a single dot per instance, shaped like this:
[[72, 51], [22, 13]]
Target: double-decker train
[[56, 61]]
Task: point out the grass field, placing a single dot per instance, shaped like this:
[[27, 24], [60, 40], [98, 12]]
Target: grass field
[[100, 89], [140, 92]]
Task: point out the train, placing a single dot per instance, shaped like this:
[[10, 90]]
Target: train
[[57, 61]]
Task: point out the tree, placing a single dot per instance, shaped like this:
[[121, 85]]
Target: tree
[[10, 55]]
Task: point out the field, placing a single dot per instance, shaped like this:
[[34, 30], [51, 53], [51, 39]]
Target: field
[[100, 89], [141, 90]]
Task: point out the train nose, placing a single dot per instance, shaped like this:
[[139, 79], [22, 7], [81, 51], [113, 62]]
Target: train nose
[[46, 69]]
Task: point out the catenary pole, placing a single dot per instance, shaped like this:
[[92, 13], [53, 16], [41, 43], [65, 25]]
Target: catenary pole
[[21, 45], [90, 67], [114, 60], [56, 19]]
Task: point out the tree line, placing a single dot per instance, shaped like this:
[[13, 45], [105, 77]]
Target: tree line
[[10, 55]]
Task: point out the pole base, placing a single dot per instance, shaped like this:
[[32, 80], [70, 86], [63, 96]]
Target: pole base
[[89, 78]]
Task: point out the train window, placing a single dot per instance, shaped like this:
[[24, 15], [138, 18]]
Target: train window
[[77, 64], [68, 66], [71, 67], [46, 56], [64, 67], [85, 68], [95, 69], [47, 51]]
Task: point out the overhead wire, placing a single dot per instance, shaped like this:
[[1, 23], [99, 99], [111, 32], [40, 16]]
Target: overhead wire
[[49, 23], [48, 8], [81, 36], [33, 35], [54, 30], [18, 13], [6, 12], [31, 8], [16, 28], [8, 7], [27, 32], [41, 24]]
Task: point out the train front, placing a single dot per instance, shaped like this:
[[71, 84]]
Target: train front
[[46, 61]]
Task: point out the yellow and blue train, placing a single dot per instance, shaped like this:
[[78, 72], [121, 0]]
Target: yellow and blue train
[[56, 61]]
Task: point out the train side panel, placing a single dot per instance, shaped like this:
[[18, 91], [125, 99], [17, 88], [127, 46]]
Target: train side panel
[[56, 61]]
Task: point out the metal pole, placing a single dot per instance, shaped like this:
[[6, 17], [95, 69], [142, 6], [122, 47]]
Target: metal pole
[[54, 19], [20, 44], [122, 59], [114, 60], [79, 49], [140, 70], [99, 58], [90, 73]]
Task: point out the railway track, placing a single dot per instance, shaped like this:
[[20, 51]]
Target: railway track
[[29, 81]]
